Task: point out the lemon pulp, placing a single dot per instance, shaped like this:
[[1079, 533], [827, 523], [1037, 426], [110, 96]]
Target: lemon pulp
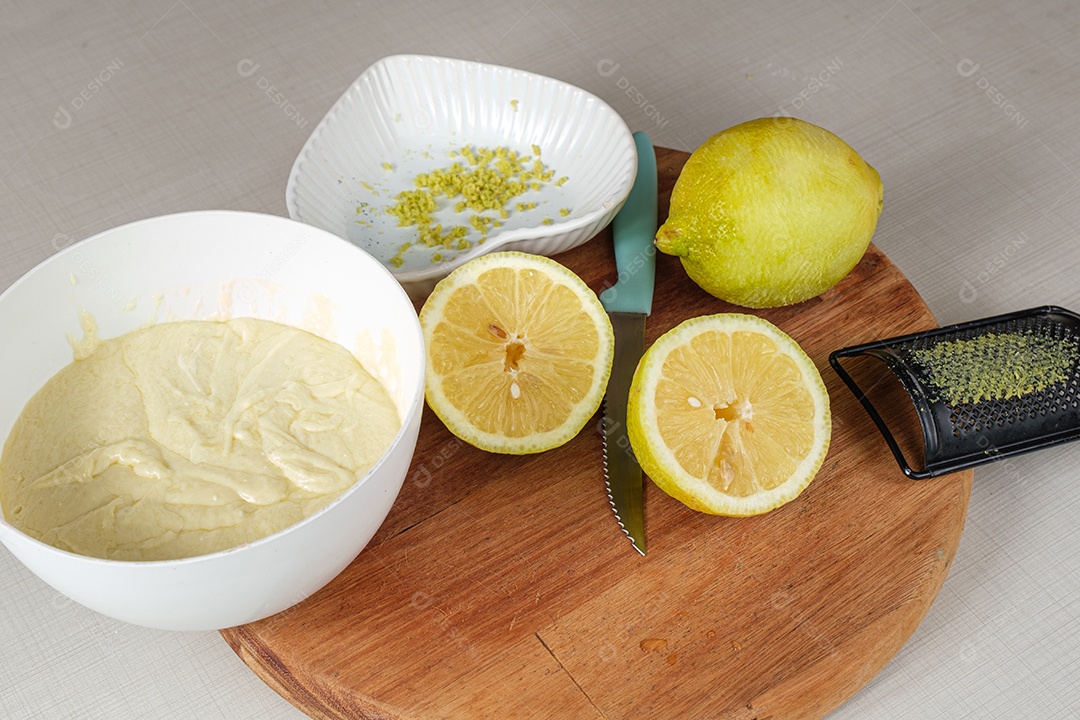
[[519, 352], [729, 415]]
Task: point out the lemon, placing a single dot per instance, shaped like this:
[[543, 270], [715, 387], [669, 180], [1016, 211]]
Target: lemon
[[519, 352], [771, 212], [729, 415]]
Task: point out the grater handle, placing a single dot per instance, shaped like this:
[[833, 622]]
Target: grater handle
[[871, 409], [971, 434]]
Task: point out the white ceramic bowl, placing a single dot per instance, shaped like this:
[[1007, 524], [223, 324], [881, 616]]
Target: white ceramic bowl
[[205, 265], [410, 111]]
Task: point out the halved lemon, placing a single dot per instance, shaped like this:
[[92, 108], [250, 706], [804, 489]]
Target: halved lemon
[[728, 415], [519, 352]]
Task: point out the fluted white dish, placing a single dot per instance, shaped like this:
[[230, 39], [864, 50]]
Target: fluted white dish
[[407, 113], [216, 265]]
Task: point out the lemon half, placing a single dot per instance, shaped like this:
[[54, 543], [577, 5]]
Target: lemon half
[[728, 415], [519, 352]]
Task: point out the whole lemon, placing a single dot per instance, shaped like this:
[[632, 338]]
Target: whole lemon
[[771, 212]]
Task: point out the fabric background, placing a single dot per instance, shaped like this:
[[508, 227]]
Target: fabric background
[[121, 110]]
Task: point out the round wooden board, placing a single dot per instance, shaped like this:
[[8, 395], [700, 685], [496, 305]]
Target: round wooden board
[[502, 586]]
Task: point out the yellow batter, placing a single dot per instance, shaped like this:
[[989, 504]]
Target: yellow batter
[[187, 438]]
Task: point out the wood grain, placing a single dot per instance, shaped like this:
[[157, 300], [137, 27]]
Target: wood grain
[[502, 586]]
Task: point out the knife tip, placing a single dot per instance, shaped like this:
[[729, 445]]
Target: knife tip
[[638, 543], [635, 542]]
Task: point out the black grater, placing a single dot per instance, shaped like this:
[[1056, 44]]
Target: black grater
[[962, 434]]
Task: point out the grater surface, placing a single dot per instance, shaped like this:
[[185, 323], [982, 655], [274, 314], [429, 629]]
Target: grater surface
[[959, 434]]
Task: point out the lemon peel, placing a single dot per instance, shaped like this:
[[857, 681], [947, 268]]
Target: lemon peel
[[771, 212]]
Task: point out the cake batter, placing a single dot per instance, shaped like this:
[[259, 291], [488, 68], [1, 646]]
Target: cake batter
[[186, 438]]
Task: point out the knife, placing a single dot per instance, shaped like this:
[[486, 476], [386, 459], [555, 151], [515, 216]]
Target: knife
[[628, 302]]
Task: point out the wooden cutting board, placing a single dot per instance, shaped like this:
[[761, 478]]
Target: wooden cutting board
[[502, 586]]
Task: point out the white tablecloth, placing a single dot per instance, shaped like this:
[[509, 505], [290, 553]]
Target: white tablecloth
[[120, 110]]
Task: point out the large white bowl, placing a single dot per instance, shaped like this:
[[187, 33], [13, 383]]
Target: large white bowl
[[410, 110], [205, 265]]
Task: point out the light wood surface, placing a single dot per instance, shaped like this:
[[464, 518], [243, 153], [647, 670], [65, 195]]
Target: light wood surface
[[502, 586]]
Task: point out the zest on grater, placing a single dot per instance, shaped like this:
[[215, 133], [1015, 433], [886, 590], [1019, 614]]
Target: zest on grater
[[982, 390]]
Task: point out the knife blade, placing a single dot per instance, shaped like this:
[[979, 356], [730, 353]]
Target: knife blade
[[628, 302]]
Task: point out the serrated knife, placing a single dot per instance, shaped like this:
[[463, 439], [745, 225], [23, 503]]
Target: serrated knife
[[628, 302]]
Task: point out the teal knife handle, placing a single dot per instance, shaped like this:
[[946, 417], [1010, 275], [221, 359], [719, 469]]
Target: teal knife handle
[[634, 229]]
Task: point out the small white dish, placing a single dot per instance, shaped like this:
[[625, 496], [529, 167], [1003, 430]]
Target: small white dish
[[407, 114]]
